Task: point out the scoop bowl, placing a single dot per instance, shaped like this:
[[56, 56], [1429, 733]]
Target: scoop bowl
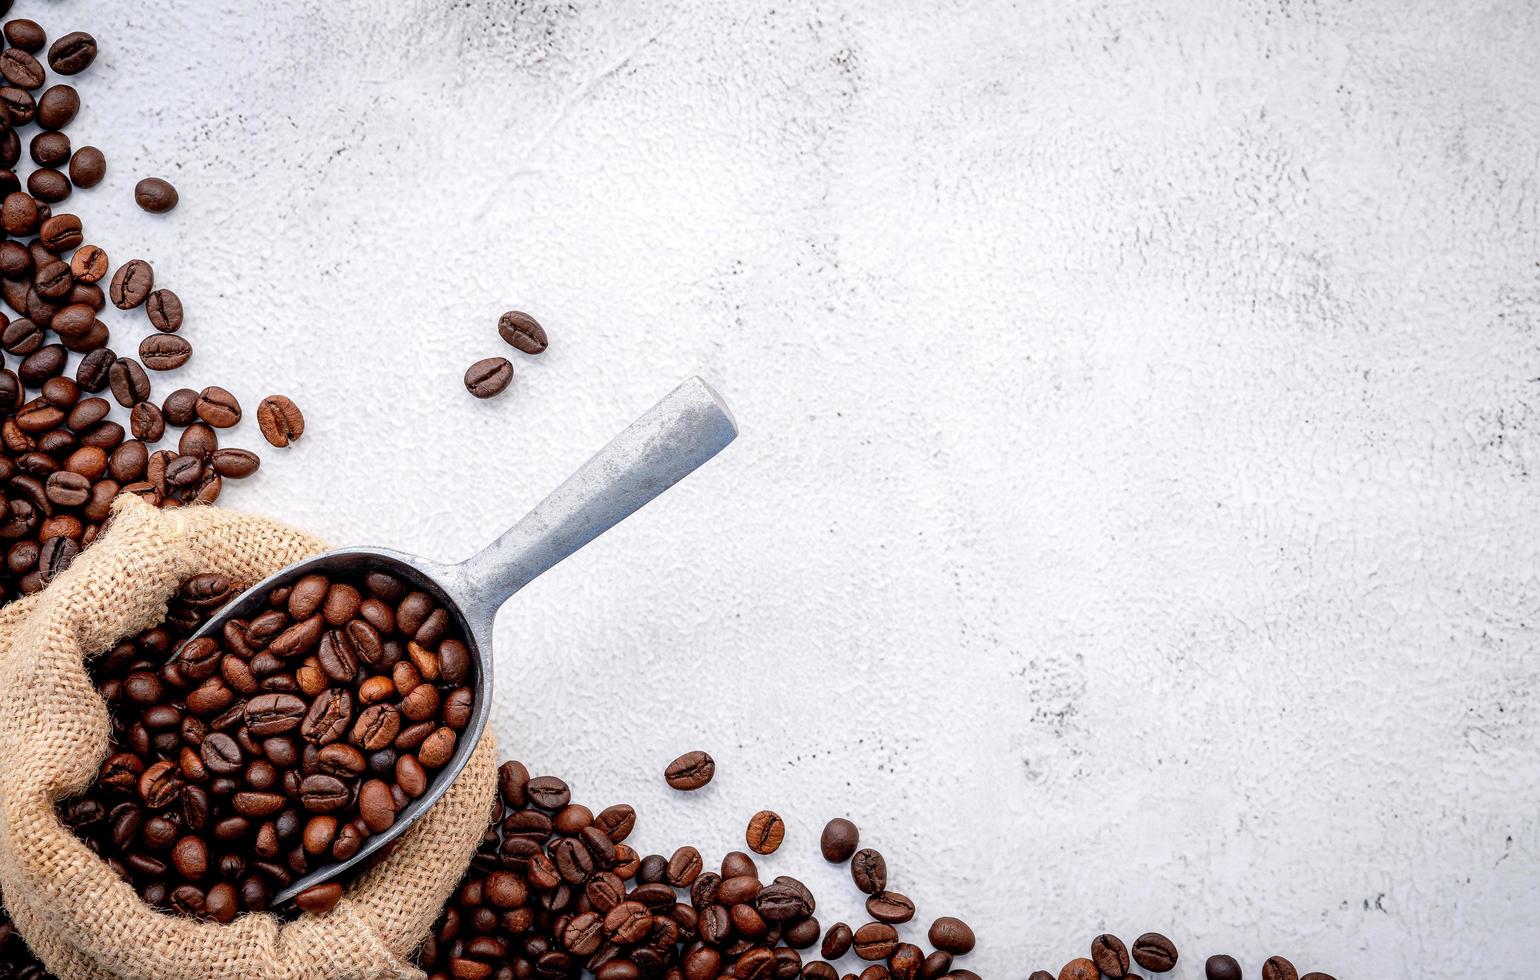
[[667, 443]]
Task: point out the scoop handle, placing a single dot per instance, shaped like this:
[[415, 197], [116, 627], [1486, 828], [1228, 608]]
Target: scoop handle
[[678, 434]]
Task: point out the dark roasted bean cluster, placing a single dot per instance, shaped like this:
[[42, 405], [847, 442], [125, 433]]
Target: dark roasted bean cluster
[[554, 890], [63, 455], [1109, 957], [242, 763]]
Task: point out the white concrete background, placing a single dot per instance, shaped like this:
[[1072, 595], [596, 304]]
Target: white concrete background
[[1133, 522]]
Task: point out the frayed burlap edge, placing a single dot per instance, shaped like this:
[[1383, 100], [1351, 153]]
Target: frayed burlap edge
[[80, 918]]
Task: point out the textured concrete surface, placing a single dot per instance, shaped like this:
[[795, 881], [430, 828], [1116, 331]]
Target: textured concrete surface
[[1133, 526]]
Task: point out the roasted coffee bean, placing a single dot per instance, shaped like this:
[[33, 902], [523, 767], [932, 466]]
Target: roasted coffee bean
[[520, 330], [87, 167], [319, 899], [234, 464], [1222, 967], [215, 405], [155, 195], [88, 264], [875, 941], [72, 53], [954, 936], [181, 407], [1155, 952], [25, 34], [56, 107], [48, 186], [1107, 951], [488, 376], [839, 840], [690, 771], [94, 372], [166, 352], [836, 941], [21, 69], [19, 214], [61, 233], [280, 420], [869, 871], [50, 149], [1279, 968], [765, 832], [890, 907], [548, 793], [164, 308], [132, 284], [1080, 968]]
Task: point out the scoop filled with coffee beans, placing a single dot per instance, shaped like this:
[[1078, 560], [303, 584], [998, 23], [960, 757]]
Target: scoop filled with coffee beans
[[388, 642]]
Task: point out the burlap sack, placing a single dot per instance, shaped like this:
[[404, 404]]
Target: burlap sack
[[80, 918]]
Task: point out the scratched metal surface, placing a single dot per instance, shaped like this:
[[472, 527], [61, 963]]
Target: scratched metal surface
[[1133, 522]]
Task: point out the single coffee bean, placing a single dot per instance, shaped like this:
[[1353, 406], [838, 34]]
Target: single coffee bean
[[234, 464], [56, 107], [839, 840], [18, 107], [548, 793], [319, 899], [890, 907], [130, 385], [88, 264], [19, 214], [50, 149], [1279, 968], [521, 331], [53, 281], [1036, 975], [765, 832], [870, 873], [280, 420], [132, 284], [488, 376], [164, 352], [93, 374], [690, 771], [1222, 967], [155, 195], [875, 941], [199, 440], [60, 234], [21, 69], [1107, 952], [1155, 952], [215, 405], [26, 34], [146, 422], [1080, 969], [72, 53], [954, 936], [939, 963], [164, 308], [87, 167], [1318, 976], [48, 186]]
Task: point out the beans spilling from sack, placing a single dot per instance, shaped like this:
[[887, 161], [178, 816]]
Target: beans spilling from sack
[[240, 763]]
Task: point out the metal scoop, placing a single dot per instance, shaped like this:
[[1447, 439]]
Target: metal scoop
[[656, 451]]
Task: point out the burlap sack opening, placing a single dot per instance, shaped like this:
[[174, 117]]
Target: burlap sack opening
[[80, 918]]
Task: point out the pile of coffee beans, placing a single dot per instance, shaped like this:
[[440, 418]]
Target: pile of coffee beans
[[492, 375], [63, 456], [241, 763], [1109, 957], [554, 890]]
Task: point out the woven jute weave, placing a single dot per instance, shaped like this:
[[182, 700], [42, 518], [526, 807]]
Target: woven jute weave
[[75, 913]]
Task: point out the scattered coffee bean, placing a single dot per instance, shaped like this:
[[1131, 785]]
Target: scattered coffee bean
[[521, 331], [1279, 968], [89, 264], [130, 385], [690, 771], [280, 420], [839, 840], [131, 284], [319, 899], [72, 53], [1155, 952], [488, 376], [890, 907], [57, 107], [215, 405], [87, 167], [155, 195], [1109, 954], [765, 832], [869, 871], [167, 352], [164, 308], [951, 935], [1222, 967], [1080, 969], [26, 34]]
